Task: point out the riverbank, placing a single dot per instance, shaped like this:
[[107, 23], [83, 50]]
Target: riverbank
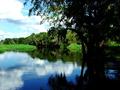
[[17, 47]]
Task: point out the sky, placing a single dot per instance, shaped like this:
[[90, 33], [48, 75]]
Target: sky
[[15, 22]]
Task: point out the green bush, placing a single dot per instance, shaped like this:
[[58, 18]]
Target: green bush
[[74, 47]]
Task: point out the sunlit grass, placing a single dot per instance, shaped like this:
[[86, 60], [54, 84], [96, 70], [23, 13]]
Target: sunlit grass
[[74, 47], [16, 47]]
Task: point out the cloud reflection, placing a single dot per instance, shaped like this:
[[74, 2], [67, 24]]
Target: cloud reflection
[[13, 66], [10, 80]]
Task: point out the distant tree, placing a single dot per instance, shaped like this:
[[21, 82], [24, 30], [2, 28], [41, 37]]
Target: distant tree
[[57, 34], [53, 35], [8, 41], [41, 39], [20, 40]]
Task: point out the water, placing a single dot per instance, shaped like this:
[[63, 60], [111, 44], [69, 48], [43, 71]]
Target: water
[[31, 71], [20, 71]]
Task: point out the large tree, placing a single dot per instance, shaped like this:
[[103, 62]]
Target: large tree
[[95, 21]]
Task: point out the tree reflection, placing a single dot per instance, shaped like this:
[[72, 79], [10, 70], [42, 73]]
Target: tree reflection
[[60, 82], [55, 54]]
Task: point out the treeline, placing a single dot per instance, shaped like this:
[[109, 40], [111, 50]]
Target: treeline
[[54, 38]]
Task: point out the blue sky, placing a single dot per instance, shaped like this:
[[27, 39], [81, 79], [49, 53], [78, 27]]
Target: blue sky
[[15, 22]]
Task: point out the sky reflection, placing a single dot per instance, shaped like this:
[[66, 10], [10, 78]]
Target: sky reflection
[[20, 71]]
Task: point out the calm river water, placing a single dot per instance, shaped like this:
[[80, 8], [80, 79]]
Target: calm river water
[[23, 71], [19, 71]]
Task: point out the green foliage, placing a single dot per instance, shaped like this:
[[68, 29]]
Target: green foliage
[[74, 47], [62, 46], [56, 37], [16, 47], [71, 37], [37, 39], [112, 43], [93, 20]]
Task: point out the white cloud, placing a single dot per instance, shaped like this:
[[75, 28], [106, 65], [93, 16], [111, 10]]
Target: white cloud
[[10, 9], [11, 12]]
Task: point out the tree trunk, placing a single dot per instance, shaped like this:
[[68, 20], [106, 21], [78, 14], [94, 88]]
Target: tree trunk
[[94, 58]]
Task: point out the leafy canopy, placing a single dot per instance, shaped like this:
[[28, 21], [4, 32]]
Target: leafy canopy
[[93, 20]]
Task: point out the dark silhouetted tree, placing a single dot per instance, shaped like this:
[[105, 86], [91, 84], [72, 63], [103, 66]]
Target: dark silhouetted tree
[[95, 21]]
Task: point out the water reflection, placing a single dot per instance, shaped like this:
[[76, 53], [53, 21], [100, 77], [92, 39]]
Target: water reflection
[[55, 54], [19, 71], [31, 71]]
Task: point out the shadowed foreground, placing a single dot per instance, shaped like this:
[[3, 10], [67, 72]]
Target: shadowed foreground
[[59, 82], [111, 81]]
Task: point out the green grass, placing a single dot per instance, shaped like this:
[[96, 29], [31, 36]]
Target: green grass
[[74, 47], [16, 47]]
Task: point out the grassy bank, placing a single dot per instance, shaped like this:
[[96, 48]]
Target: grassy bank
[[16, 47]]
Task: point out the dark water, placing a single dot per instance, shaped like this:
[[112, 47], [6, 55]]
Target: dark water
[[19, 71], [31, 71]]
